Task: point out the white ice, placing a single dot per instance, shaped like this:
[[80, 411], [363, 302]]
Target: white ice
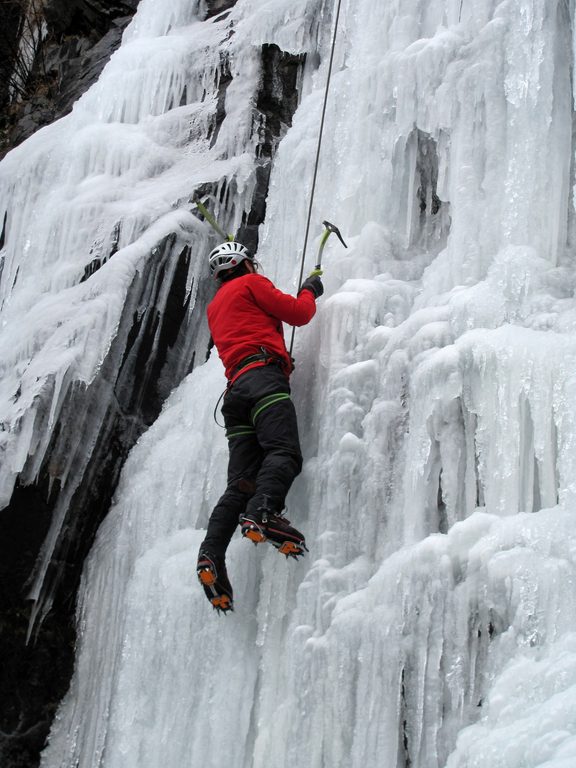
[[433, 620]]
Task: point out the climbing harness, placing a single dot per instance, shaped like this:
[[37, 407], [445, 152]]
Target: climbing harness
[[266, 402], [248, 429], [243, 430], [260, 357]]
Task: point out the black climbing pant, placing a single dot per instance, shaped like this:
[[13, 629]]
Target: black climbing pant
[[264, 447]]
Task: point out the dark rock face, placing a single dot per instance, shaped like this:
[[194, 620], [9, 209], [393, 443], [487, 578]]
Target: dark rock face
[[277, 102], [33, 677], [82, 35], [214, 7], [85, 17], [158, 340], [10, 24], [78, 64]]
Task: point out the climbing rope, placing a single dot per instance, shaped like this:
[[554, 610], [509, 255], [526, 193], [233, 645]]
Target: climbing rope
[[317, 161]]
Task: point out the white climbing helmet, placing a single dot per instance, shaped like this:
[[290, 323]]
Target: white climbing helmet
[[227, 256]]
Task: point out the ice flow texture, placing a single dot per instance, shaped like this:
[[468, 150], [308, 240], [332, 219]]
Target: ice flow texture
[[433, 622]]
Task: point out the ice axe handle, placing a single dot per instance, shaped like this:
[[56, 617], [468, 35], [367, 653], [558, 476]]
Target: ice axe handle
[[211, 220], [327, 232]]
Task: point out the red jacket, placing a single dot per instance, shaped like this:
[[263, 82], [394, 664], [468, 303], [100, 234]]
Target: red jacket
[[247, 313]]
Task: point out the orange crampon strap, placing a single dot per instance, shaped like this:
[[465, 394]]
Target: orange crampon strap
[[207, 576], [222, 603], [289, 548]]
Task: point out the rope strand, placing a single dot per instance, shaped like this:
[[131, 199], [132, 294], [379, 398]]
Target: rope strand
[[317, 161]]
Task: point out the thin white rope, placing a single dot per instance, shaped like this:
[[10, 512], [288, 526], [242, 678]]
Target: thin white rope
[[317, 161]]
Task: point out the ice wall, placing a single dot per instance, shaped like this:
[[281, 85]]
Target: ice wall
[[102, 292], [433, 621]]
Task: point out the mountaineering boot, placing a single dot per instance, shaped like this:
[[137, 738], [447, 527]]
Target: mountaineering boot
[[266, 525], [212, 576]]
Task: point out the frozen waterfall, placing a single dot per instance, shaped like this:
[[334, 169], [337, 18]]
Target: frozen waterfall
[[433, 623]]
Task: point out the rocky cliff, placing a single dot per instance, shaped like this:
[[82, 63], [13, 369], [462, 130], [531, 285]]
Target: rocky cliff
[[72, 41]]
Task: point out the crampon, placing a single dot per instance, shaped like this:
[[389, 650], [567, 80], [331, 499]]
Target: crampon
[[212, 576], [259, 527]]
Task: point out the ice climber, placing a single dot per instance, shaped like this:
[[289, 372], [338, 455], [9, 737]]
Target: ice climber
[[245, 319]]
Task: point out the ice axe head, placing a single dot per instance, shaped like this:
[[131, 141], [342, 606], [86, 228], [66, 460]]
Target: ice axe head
[[333, 228], [329, 228]]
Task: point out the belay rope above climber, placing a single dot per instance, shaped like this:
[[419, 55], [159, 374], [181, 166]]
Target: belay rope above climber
[[316, 164]]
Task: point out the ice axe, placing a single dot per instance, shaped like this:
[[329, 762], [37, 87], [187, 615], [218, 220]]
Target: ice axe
[[211, 220], [317, 271], [323, 240]]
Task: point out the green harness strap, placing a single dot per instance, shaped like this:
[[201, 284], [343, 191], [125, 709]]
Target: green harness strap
[[266, 402], [243, 430], [240, 431]]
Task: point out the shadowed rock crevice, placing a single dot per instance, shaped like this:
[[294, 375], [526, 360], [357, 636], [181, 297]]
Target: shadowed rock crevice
[[276, 104], [431, 226]]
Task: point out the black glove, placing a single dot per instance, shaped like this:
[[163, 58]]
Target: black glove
[[314, 285]]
